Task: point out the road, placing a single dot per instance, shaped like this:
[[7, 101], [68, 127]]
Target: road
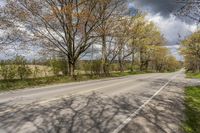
[[146, 103], [115, 86]]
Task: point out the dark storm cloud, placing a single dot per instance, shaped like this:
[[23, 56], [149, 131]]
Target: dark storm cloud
[[162, 12], [164, 7]]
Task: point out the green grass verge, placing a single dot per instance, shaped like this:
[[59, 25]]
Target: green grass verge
[[120, 74], [193, 75], [192, 110], [21, 84]]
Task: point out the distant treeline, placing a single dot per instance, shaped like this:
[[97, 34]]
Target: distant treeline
[[20, 68]]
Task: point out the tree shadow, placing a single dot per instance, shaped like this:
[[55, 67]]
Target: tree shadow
[[165, 112], [95, 113]]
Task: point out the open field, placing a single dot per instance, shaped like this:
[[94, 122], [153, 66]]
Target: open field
[[42, 71]]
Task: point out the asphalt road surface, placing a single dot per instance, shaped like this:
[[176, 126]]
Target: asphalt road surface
[[146, 103]]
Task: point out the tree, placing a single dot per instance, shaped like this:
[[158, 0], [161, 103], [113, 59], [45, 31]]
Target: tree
[[137, 33], [66, 26], [172, 64], [116, 42], [151, 37], [10, 33], [159, 58], [112, 10], [190, 49], [190, 9]]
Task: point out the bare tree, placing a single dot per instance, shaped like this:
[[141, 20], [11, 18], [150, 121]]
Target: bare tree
[[190, 9], [6, 30], [66, 26], [123, 36], [112, 10]]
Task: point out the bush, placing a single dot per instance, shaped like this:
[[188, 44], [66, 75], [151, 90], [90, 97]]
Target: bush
[[23, 70], [96, 67], [59, 66], [91, 67], [86, 67], [8, 72], [114, 67]]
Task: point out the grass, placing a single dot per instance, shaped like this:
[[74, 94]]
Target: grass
[[192, 110], [7, 85], [120, 74], [193, 75]]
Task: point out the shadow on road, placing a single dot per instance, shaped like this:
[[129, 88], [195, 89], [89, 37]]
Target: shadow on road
[[96, 113]]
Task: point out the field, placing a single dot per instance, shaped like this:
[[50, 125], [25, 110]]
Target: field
[[42, 71]]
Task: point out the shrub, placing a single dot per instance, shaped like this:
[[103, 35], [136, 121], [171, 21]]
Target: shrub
[[96, 67], [86, 66], [23, 70], [59, 66], [8, 71]]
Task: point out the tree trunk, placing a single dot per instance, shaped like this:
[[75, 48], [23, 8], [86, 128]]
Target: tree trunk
[[72, 66], [121, 66], [104, 55], [141, 60], [146, 65], [133, 59], [120, 61]]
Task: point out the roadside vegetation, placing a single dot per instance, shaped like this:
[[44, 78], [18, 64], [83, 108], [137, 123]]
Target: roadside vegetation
[[192, 110], [193, 75], [19, 73], [14, 84], [190, 49]]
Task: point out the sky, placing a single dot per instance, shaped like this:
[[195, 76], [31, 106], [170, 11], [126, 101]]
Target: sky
[[161, 12], [2, 2]]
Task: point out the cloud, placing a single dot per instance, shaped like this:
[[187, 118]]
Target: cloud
[[161, 12], [163, 7], [2, 3], [172, 28]]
